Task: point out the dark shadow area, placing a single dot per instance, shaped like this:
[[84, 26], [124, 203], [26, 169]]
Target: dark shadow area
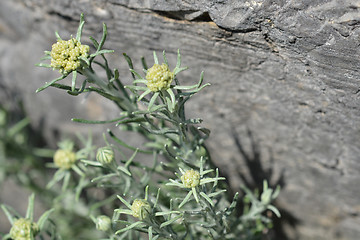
[[257, 174], [21, 144], [193, 16]]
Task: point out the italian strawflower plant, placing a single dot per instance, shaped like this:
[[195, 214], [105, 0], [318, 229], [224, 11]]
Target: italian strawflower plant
[[167, 188]]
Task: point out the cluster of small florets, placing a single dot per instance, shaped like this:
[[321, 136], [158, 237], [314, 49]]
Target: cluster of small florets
[[159, 77], [64, 159], [23, 229], [140, 208], [191, 178], [65, 55]]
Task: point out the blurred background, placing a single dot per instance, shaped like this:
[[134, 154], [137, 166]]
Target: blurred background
[[283, 105]]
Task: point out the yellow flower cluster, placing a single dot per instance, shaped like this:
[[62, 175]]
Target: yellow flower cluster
[[65, 55], [191, 178], [64, 159], [23, 229], [140, 208], [159, 77]]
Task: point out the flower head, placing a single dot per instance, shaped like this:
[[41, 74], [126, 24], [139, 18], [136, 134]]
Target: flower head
[[65, 55], [140, 208], [191, 178], [23, 229], [103, 223], [159, 77], [64, 159]]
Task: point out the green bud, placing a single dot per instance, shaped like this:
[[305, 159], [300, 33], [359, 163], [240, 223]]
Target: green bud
[[105, 155], [23, 229], [103, 223]]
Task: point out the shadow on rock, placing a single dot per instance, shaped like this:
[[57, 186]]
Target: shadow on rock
[[257, 173]]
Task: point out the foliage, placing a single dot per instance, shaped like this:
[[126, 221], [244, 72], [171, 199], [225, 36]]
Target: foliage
[[181, 196]]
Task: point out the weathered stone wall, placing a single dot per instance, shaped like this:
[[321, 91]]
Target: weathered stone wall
[[284, 100]]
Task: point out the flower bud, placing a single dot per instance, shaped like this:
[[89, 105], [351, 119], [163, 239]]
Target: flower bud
[[159, 77], [103, 223], [141, 208], [190, 178], [64, 159], [105, 155], [23, 229]]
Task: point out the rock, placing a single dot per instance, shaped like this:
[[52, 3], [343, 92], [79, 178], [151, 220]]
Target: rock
[[284, 98]]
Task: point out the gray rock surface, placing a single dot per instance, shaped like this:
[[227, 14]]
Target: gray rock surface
[[285, 88]]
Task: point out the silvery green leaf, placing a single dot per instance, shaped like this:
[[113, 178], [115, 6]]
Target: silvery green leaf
[[43, 64], [274, 210], [216, 193], [42, 220], [209, 180], [134, 225], [50, 83], [81, 25], [103, 38], [170, 221], [124, 201], [7, 213], [166, 213], [156, 61], [104, 51], [186, 199], [207, 198], [91, 163]]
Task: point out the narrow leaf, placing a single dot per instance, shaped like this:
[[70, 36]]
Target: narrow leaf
[[43, 218], [81, 25], [194, 191], [207, 198], [58, 36], [165, 59], [92, 163], [129, 61], [170, 221], [104, 51], [167, 213], [144, 94], [43, 65], [95, 43], [178, 63], [30, 208], [124, 170], [96, 122], [152, 100], [50, 83], [128, 162], [216, 193], [124, 202], [136, 224], [144, 64], [186, 199], [156, 61], [103, 38], [8, 214], [275, 210], [73, 81]]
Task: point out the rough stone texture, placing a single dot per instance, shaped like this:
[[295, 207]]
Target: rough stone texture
[[284, 101]]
